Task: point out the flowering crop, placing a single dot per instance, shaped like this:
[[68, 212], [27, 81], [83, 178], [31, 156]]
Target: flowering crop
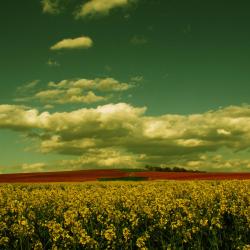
[[118, 215]]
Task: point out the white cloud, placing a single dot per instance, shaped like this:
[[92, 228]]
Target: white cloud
[[108, 84], [100, 7], [49, 94], [48, 106], [90, 97], [51, 6], [75, 43], [27, 87], [34, 167], [89, 8], [78, 91], [73, 95], [53, 63], [137, 78], [104, 158], [121, 131], [138, 40], [18, 117]]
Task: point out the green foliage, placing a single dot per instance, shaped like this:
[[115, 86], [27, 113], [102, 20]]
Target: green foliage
[[126, 215], [174, 169], [128, 178]]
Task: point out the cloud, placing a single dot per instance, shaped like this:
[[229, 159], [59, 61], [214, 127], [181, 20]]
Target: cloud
[[53, 63], [79, 91], [27, 87], [90, 8], [103, 158], [107, 84], [16, 117], [137, 78], [51, 6], [138, 40], [108, 68], [34, 167], [116, 158], [84, 129], [49, 94], [75, 43], [57, 96], [48, 106], [103, 135], [100, 7]]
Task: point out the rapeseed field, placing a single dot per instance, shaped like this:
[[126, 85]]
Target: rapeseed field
[[119, 215]]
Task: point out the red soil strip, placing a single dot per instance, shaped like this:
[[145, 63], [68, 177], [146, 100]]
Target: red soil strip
[[93, 175], [193, 176], [67, 176]]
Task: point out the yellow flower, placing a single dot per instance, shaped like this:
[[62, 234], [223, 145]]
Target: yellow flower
[[23, 222], [109, 234], [126, 233], [140, 243], [4, 241]]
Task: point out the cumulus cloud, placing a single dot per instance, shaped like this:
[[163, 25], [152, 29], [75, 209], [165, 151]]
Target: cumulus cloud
[[48, 94], [108, 84], [83, 42], [100, 7], [121, 131], [16, 117], [57, 96], [103, 158], [79, 91]]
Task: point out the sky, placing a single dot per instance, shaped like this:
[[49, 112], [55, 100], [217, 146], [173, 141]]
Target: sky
[[124, 84]]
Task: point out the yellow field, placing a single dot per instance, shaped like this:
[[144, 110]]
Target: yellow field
[[118, 215]]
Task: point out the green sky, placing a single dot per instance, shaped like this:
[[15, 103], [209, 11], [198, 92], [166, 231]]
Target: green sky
[[124, 83]]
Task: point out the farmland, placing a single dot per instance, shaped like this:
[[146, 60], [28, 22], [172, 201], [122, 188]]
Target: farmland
[[126, 215], [94, 175]]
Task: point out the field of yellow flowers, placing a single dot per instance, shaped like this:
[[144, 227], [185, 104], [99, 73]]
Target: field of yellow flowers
[[119, 215]]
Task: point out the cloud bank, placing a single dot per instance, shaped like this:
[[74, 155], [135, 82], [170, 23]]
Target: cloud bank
[[77, 91], [122, 135]]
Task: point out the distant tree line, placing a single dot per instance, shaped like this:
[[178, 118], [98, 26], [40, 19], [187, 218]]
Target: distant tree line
[[174, 169]]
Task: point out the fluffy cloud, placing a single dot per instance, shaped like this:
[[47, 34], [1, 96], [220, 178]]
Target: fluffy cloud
[[103, 158], [90, 8], [70, 96], [18, 117], [75, 43], [48, 94], [100, 7], [103, 135], [108, 84], [78, 91]]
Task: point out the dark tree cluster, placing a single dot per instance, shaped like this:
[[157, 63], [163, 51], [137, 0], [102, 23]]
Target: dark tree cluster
[[174, 169]]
